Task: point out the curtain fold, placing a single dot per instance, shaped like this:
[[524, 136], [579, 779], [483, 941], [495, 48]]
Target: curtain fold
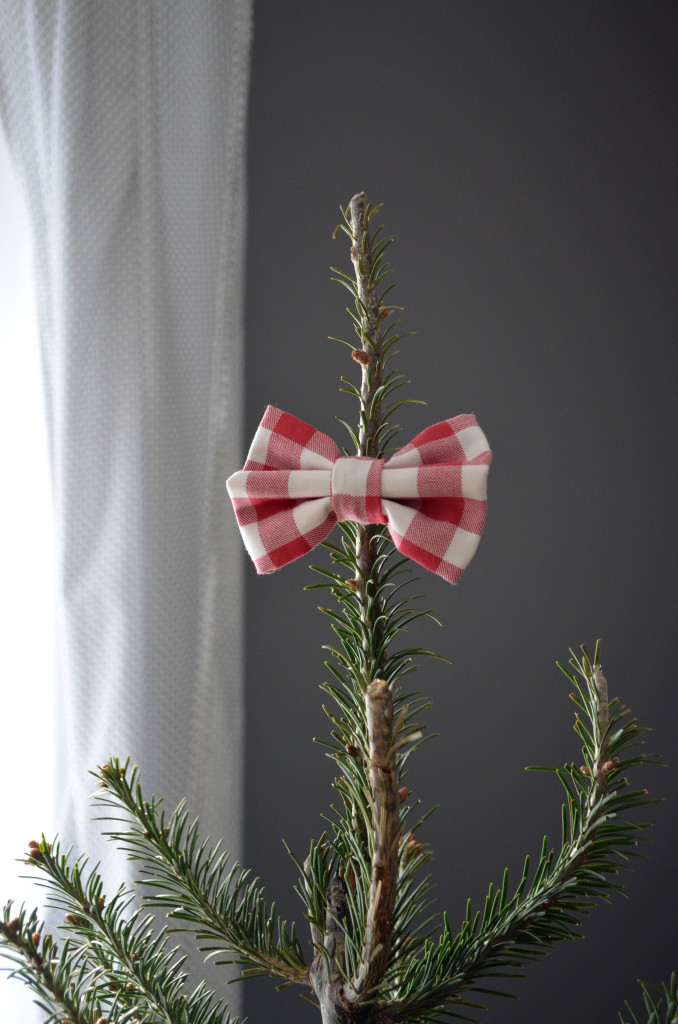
[[126, 123]]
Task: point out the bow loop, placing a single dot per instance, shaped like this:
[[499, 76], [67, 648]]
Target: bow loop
[[296, 485]]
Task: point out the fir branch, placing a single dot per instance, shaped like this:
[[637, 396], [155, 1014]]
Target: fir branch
[[57, 977], [116, 964], [195, 884], [660, 1007], [548, 905], [370, 847]]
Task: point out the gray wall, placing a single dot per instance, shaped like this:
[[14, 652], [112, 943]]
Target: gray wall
[[526, 154]]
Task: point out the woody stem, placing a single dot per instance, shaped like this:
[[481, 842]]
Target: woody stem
[[379, 704], [367, 303]]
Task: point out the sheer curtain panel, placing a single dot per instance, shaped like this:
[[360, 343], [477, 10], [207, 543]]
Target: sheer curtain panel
[[126, 124]]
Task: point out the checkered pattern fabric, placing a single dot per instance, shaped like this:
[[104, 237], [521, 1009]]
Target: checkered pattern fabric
[[296, 485]]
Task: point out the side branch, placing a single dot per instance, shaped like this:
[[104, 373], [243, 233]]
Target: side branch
[[597, 839], [39, 964], [193, 882]]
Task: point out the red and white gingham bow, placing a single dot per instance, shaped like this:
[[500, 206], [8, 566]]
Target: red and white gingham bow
[[296, 485]]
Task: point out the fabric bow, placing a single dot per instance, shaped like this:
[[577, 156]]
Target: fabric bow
[[296, 485]]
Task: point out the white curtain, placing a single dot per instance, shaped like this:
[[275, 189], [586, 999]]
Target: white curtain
[[126, 124]]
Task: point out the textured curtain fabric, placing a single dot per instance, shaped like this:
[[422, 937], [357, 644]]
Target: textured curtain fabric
[[126, 123]]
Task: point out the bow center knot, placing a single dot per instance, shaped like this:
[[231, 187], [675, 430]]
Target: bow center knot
[[356, 489]]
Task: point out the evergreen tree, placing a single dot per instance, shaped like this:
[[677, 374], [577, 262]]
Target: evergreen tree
[[376, 952]]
